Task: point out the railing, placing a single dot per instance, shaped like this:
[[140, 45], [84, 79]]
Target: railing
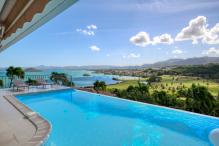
[[6, 81]]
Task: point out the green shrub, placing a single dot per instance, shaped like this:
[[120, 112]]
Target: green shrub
[[1, 83]]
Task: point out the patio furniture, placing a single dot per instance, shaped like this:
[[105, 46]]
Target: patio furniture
[[44, 83], [19, 84]]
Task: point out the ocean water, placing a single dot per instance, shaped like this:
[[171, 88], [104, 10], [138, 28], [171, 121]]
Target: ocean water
[[80, 118], [77, 77]]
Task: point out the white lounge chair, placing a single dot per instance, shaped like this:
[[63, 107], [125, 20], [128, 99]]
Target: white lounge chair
[[19, 84], [42, 82]]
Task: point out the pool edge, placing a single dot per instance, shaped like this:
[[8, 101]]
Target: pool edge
[[159, 106], [43, 127]]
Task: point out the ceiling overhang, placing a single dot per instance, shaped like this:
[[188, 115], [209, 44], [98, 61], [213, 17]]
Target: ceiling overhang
[[18, 18]]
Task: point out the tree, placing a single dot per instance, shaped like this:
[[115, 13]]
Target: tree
[[162, 98], [1, 83], [13, 72], [19, 72], [31, 82], [61, 77], [138, 93], [99, 86], [154, 78], [10, 74], [200, 100]]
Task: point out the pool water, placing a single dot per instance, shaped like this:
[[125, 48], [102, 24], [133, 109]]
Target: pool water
[[80, 118]]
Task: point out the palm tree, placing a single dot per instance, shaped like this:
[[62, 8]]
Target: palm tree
[[12, 72], [19, 72]]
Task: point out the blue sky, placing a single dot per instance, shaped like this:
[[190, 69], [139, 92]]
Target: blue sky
[[121, 32]]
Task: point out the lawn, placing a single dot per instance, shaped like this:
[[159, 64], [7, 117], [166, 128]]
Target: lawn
[[169, 82], [123, 84]]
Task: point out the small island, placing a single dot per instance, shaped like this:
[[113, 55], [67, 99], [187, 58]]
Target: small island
[[86, 75]]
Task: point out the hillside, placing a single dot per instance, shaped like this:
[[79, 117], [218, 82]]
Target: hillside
[[180, 62]]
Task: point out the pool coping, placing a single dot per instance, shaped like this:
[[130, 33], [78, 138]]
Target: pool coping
[[43, 127]]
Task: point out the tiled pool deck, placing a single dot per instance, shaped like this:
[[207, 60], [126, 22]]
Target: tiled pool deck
[[19, 126]]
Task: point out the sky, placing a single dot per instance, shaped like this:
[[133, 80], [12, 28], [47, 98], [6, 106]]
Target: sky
[[121, 32]]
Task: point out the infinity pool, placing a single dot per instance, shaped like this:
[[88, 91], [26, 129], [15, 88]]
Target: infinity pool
[[84, 119]]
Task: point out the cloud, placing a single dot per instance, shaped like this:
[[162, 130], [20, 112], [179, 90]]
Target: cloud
[[94, 48], [89, 30], [212, 35], [177, 51], [92, 26], [131, 55], [107, 55], [198, 30], [214, 52], [194, 31], [85, 32], [163, 39], [141, 39]]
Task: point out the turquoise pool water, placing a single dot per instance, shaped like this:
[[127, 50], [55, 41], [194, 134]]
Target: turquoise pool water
[[84, 119]]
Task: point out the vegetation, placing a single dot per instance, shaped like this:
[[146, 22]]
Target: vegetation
[[31, 82], [162, 98], [209, 71], [191, 88], [196, 98], [86, 74], [122, 85], [13, 72], [170, 83], [154, 78], [200, 100], [99, 86], [61, 78], [139, 92], [1, 83]]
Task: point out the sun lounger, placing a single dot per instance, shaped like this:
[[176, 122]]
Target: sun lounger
[[42, 82], [19, 84]]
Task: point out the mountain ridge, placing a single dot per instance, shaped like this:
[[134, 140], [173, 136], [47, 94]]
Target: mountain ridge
[[166, 63]]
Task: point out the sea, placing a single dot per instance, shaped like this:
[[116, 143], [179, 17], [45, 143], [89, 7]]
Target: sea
[[77, 76]]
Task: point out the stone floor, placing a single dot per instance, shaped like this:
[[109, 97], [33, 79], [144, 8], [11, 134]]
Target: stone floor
[[15, 129], [32, 89]]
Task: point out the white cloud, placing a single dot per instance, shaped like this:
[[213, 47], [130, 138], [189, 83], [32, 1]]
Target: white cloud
[[212, 35], [141, 39], [92, 26], [177, 51], [131, 55], [86, 32], [211, 52], [94, 48], [163, 39], [89, 30], [198, 30], [107, 55], [194, 31]]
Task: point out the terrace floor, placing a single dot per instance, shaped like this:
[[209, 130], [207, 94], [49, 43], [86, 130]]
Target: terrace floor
[[15, 128]]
